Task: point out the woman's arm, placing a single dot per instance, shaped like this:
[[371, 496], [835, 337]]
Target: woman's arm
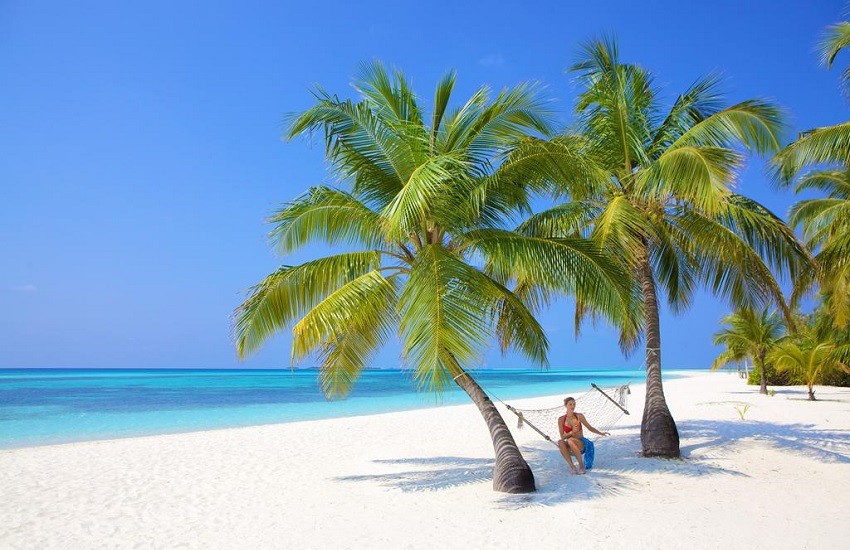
[[561, 427], [587, 425]]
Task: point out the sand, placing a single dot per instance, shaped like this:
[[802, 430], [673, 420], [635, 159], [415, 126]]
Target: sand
[[778, 478]]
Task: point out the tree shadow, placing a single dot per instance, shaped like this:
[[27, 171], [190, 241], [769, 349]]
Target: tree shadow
[[803, 439], [430, 474], [617, 460]]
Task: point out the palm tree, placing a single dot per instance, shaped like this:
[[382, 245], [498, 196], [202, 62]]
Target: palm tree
[[654, 187], [748, 335], [824, 221], [826, 229], [810, 353], [427, 211]]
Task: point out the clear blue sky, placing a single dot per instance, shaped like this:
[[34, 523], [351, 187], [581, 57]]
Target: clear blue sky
[[140, 149]]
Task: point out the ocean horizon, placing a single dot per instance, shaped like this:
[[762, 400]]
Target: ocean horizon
[[45, 406]]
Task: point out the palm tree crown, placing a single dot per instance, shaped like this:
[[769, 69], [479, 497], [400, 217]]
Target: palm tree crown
[[749, 335], [428, 210], [655, 187]]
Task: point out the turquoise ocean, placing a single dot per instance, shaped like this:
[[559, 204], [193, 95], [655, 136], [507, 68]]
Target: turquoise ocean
[[49, 406]]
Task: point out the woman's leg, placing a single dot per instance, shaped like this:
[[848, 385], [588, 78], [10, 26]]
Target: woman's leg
[[576, 448], [565, 452]]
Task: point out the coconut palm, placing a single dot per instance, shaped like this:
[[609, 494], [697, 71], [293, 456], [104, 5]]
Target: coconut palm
[[826, 229], [426, 212], [655, 188], [810, 353], [825, 152], [748, 335]]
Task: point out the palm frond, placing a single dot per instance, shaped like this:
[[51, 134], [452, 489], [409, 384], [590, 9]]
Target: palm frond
[[329, 215], [414, 206], [829, 144], [672, 258], [616, 108], [389, 95], [560, 166], [755, 124], [729, 266], [821, 219], [356, 317], [441, 101], [768, 236], [700, 176], [569, 219], [290, 292], [574, 266], [835, 39], [699, 102], [363, 146], [442, 315], [835, 183]]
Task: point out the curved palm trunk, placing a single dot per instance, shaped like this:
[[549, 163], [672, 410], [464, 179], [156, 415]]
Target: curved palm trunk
[[658, 433], [511, 473]]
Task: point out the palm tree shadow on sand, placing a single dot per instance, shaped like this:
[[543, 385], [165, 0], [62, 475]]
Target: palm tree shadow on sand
[[616, 462], [803, 439], [430, 474]]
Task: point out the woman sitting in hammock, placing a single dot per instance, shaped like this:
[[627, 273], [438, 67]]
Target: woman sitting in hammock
[[572, 442]]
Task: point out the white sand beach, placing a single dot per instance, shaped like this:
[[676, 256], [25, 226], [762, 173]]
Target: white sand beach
[[779, 478]]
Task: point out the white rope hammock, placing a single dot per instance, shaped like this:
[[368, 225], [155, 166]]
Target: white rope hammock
[[603, 408]]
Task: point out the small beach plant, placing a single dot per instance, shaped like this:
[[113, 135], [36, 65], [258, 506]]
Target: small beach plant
[[742, 410], [748, 335], [659, 196], [428, 212]]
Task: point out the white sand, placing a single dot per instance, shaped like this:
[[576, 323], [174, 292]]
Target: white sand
[[778, 479]]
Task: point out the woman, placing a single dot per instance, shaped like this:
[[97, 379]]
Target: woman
[[572, 442]]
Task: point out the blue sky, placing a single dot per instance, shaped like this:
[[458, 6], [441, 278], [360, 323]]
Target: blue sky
[[141, 150]]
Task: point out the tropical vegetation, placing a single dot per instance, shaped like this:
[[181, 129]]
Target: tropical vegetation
[[654, 185], [820, 160], [443, 250], [811, 353], [428, 214], [749, 335]]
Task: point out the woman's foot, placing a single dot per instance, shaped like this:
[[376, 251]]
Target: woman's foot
[[573, 470], [581, 471]]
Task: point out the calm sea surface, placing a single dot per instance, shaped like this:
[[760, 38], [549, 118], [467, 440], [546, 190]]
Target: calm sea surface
[[46, 406]]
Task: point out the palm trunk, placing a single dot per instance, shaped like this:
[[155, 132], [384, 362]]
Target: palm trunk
[[763, 375], [658, 433], [812, 393], [511, 473]]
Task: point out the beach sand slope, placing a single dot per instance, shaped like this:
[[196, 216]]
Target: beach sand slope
[[778, 478]]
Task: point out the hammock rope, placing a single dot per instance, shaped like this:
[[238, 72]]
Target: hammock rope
[[603, 408]]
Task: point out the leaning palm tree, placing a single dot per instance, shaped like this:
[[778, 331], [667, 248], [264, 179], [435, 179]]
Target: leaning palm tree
[[426, 212], [655, 188], [748, 335]]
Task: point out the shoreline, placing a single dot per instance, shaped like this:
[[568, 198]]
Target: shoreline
[[98, 425], [422, 479]]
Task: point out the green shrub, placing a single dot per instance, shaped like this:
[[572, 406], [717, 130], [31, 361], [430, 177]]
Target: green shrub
[[836, 379], [773, 378], [841, 379]]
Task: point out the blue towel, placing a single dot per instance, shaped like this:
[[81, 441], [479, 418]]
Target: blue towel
[[588, 452]]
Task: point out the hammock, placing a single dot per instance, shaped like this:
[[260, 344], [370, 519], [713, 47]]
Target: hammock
[[602, 408]]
